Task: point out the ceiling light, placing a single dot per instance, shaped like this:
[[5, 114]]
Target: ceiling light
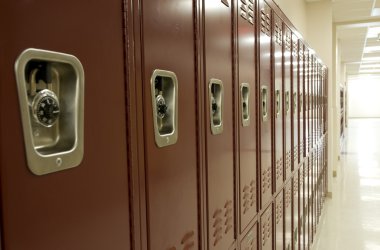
[[370, 66], [373, 58], [369, 71], [370, 49], [373, 32]]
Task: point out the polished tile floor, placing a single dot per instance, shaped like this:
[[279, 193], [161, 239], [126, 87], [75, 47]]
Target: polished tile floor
[[351, 219]]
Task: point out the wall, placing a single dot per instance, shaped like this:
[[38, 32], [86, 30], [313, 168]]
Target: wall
[[363, 97], [295, 10]]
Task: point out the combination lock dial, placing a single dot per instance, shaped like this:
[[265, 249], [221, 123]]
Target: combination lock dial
[[161, 106], [45, 108]]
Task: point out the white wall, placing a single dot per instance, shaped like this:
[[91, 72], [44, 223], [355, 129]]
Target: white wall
[[364, 97]]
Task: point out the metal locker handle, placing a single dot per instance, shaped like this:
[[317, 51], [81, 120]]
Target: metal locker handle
[[245, 110], [216, 100], [287, 102], [264, 103], [278, 102], [164, 91], [51, 95], [295, 102]]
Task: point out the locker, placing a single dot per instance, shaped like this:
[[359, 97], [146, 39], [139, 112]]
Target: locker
[[40, 212], [295, 210], [266, 229], [249, 241], [218, 89], [301, 204], [277, 97], [265, 114], [295, 106], [288, 215], [171, 169], [247, 112], [287, 102], [301, 102], [306, 114], [279, 220], [307, 226]]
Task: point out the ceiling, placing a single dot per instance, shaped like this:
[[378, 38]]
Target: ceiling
[[357, 29]]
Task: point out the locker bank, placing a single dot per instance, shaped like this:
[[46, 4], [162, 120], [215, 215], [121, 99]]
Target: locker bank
[[191, 124]]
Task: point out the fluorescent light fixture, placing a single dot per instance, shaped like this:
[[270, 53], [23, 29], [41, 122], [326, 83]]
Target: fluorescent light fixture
[[370, 66], [373, 58], [375, 12], [369, 71], [373, 32], [370, 49]]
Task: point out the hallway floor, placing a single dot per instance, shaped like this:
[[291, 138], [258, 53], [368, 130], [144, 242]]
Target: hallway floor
[[351, 219]]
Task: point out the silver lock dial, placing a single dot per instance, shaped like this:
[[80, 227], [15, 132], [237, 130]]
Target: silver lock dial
[[46, 108]]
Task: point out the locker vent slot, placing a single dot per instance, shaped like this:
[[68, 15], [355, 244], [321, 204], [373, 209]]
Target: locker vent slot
[[295, 186], [279, 169], [288, 40], [188, 241], [228, 216], [266, 180], [217, 226], [278, 33], [288, 161], [249, 196], [266, 228], [265, 21], [226, 2], [295, 156], [279, 211], [288, 197]]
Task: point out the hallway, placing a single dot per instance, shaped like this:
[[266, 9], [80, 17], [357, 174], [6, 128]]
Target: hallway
[[351, 220]]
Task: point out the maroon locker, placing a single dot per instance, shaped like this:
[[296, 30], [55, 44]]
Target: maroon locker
[[86, 207], [218, 89], [277, 97], [171, 170], [288, 215], [247, 111], [266, 229], [295, 210], [265, 111], [287, 102], [279, 220], [306, 114], [295, 106], [250, 240], [301, 204], [301, 102]]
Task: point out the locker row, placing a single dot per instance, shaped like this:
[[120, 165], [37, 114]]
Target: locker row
[[205, 127]]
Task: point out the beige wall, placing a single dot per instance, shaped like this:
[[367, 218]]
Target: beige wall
[[295, 10]]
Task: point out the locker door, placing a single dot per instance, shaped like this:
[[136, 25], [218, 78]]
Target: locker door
[[247, 111], [295, 106], [288, 215], [266, 230], [287, 102], [219, 129], [249, 241], [86, 207], [295, 209], [171, 170], [301, 102], [265, 114], [306, 116], [279, 219], [301, 204], [277, 104]]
